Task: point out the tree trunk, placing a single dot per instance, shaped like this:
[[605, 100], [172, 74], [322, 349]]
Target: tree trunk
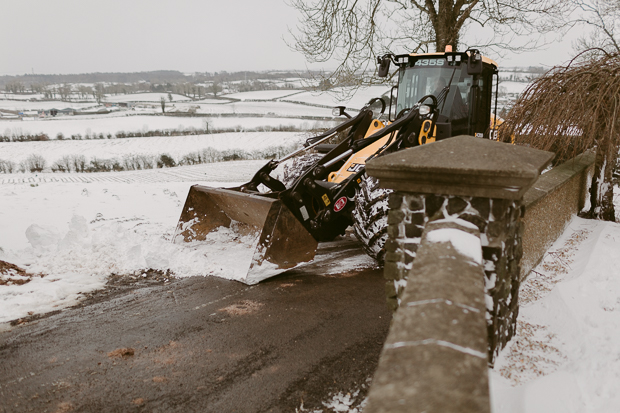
[[602, 189], [445, 25]]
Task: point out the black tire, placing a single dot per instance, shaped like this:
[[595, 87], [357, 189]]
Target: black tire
[[370, 217]]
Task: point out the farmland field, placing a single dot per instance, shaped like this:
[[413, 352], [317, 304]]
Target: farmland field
[[175, 146]]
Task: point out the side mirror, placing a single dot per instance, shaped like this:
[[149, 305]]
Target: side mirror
[[384, 65], [474, 63], [339, 111]]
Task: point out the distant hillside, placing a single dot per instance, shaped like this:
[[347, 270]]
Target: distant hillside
[[159, 76], [154, 77]]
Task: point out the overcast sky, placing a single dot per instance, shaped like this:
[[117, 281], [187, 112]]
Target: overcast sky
[[78, 36]]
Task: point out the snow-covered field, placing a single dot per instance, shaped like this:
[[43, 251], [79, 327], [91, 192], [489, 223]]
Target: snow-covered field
[[146, 97], [335, 97], [77, 233], [284, 109], [513, 87], [263, 94], [119, 122], [21, 105], [26, 96], [175, 146], [90, 124]]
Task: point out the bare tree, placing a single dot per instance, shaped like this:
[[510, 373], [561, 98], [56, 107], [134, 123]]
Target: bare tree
[[64, 91], [84, 91], [7, 167], [64, 164], [572, 109], [162, 101], [355, 32], [35, 163], [79, 163], [215, 88], [98, 92], [603, 16]]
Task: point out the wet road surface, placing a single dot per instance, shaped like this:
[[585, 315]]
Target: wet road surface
[[203, 344]]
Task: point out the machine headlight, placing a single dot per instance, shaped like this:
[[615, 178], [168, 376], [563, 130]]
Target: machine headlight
[[424, 110]]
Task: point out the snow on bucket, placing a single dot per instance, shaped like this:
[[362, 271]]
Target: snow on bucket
[[273, 240]]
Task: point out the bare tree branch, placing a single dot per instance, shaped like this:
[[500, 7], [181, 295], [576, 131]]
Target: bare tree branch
[[354, 32]]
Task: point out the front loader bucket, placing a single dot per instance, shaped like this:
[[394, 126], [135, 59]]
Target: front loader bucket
[[280, 241]]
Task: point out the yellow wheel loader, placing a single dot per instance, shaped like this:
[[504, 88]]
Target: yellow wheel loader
[[439, 95]]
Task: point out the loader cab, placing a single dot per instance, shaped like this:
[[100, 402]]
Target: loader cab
[[462, 86]]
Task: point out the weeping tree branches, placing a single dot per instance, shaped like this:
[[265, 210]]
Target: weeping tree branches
[[572, 109], [354, 32]]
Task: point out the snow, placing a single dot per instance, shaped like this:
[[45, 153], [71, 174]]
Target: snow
[[237, 171], [341, 402], [98, 124], [513, 87], [113, 124], [145, 97], [211, 100], [175, 146], [565, 357], [44, 105], [77, 234], [72, 231], [280, 114], [263, 94], [463, 242], [335, 97], [26, 96]]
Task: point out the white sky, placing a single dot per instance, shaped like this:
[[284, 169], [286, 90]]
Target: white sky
[[78, 36]]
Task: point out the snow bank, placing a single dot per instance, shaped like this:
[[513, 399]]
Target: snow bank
[[566, 357], [76, 235]]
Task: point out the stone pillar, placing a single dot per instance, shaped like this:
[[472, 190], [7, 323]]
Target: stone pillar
[[435, 356], [473, 179]]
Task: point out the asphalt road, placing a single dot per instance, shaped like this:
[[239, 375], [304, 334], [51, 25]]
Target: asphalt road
[[202, 344]]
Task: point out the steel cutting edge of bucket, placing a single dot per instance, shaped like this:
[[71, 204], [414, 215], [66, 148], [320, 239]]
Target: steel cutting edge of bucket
[[283, 242]]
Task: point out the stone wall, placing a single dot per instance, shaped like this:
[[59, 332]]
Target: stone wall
[[428, 365], [500, 226], [551, 204], [485, 188], [515, 236]]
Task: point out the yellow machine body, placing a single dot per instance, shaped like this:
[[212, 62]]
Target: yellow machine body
[[358, 160]]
